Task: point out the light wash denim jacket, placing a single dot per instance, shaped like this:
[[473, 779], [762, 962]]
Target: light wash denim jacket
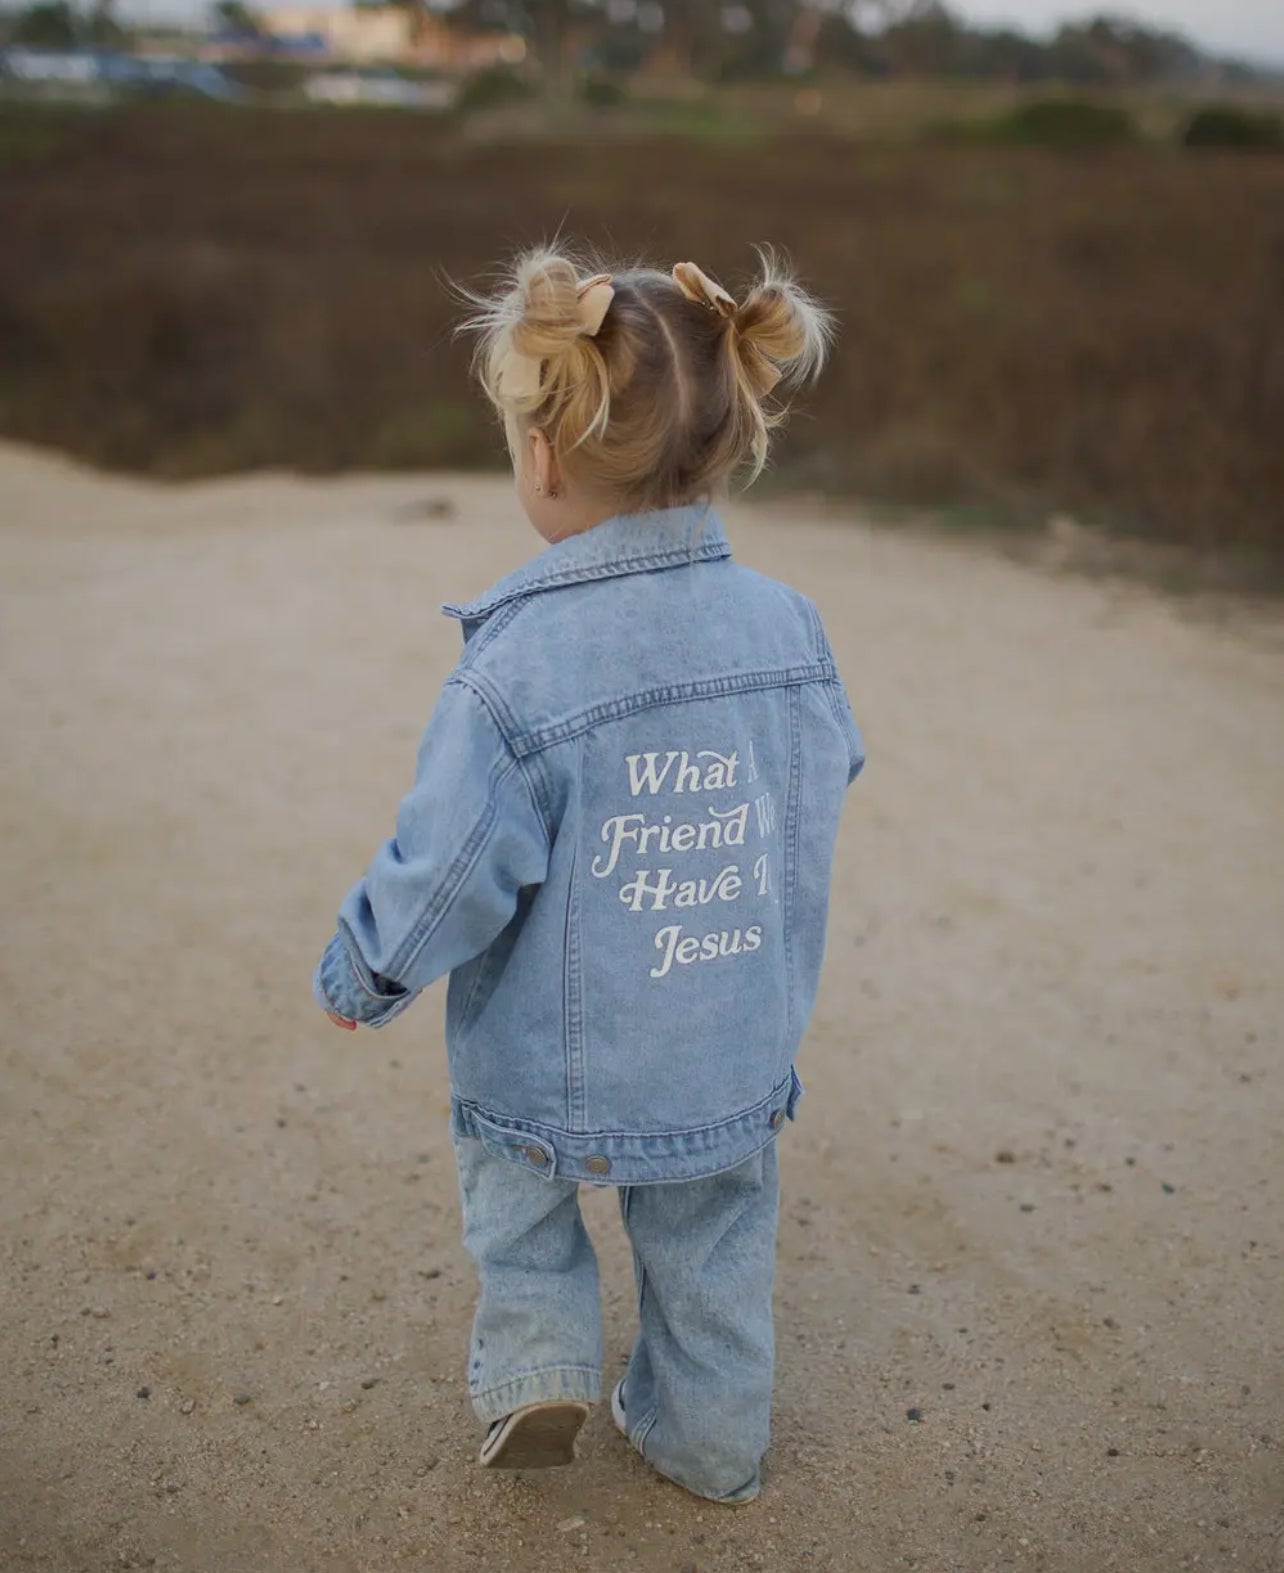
[[618, 844]]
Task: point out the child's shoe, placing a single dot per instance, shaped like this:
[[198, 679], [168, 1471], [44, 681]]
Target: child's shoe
[[540, 1436], [617, 1408]]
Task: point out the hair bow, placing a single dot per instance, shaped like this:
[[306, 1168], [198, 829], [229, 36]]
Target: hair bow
[[697, 286], [595, 297], [520, 378]]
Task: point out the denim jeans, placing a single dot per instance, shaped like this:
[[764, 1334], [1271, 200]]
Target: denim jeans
[[697, 1394]]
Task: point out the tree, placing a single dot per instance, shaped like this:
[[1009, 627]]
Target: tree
[[543, 22], [684, 41], [712, 38], [101, 26], [1108, 49], [234, 16], [549, 21], [49, 24]]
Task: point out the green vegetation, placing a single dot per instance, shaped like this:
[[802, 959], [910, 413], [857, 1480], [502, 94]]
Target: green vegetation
[[601, 91], [1068, 124], [49, 24], [440, 434], [1229, 126], [59, 24], [706, 122], [39, 134], [496, 87]]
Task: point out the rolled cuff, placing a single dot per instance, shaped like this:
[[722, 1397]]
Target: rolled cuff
[[344, 984]]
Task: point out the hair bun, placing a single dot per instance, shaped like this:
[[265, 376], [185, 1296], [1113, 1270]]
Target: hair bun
[[538, 354], [645, 397], [781, 324], [548, 316], [779, 330]]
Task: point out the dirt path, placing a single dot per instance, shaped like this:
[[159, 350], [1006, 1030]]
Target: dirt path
[[1030, 1306]]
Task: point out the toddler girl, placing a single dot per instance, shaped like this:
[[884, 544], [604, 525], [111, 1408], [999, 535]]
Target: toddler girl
[[618, 844]]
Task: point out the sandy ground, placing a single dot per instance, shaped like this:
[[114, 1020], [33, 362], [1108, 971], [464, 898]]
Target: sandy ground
[[1029, 1306]]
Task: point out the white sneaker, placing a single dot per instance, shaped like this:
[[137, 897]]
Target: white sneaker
[[617, 1408], [540, 1436]]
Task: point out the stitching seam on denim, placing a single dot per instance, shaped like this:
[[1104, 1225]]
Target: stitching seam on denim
[[505, 723], [489, 630], [539, 1370], [357, 968], [639, 1268], [506, 1122], [413, 945], [835, 706], [573, 1004], [791, 856], [483, 689], [818, 629], [669, 694], [711, 551]]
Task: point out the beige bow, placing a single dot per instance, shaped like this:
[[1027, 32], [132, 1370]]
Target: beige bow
[[697, 286], [520, 378], [596, 295]]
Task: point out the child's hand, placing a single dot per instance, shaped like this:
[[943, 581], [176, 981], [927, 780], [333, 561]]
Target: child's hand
[[341, 1021]]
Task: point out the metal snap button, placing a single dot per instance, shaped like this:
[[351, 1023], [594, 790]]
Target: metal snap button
[[537, 1156], [598, 1165], [777, 1119]]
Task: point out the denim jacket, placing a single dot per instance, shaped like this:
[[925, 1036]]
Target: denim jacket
[[618, 844]]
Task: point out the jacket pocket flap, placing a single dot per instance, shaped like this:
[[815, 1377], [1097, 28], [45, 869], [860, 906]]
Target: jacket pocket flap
[[517, 1146]]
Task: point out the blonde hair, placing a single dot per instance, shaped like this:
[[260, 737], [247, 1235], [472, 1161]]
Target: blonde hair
[[659, 400]]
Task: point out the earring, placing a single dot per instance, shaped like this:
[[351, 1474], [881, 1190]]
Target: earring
[[552, 494], [539, 490]]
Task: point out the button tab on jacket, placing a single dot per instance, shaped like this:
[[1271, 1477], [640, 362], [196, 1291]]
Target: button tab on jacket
[[537, 1156], [777, 1119], [598, 1165]]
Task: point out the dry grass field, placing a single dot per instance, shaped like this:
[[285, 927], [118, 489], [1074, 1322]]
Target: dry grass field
[[186, 292]]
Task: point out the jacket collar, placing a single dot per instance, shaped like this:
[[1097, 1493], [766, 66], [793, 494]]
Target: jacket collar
[[625, 544]]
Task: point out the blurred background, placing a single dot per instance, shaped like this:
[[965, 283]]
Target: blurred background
[[1031, 1251], [1056, 243]]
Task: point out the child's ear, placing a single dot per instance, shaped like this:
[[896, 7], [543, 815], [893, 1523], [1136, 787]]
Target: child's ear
[[543, 462]]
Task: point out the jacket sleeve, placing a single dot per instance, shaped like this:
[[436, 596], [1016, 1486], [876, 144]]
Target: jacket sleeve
[[841, 706], [469, 837], [847, 724]]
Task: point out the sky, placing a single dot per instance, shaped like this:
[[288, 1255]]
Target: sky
[[1248, 29], [1252, 29]]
